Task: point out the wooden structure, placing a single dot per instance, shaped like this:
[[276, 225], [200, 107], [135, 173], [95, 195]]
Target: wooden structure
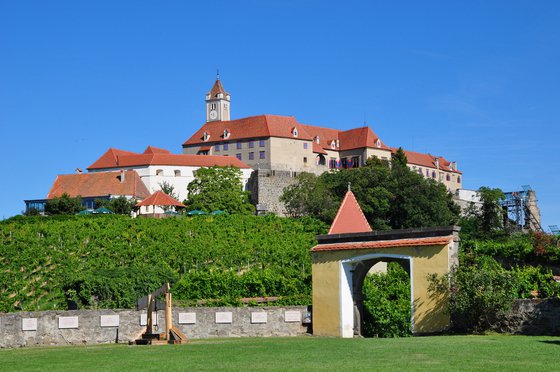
[[172, 335]]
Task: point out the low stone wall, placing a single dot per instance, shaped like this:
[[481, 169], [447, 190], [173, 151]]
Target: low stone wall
[[73, 327], [532, 317]]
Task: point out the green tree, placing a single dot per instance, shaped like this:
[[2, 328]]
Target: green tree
[[309, 196], [169, 189], [218, 188], [390, 195], [65, 204], [484, 220], [120, 205]]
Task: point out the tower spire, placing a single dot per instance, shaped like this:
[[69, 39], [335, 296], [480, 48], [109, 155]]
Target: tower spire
[[218, 74]]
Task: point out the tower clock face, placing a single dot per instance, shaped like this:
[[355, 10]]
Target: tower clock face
[[213, 114]]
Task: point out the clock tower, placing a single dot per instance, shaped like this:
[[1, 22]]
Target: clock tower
[[217, 103]]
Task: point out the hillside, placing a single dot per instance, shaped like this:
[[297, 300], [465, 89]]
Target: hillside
[[109, 261]]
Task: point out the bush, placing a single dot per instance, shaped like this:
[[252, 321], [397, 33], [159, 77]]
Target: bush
[[387, 310]]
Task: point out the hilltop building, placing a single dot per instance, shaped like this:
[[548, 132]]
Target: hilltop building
[[135, 175], [281, 147]]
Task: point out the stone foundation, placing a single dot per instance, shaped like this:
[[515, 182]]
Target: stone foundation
[[532, 317]]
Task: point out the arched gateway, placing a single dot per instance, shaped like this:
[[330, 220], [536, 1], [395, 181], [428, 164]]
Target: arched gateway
[[343, 257]]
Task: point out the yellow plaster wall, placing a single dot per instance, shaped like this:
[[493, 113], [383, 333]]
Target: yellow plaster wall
[[429, 314]]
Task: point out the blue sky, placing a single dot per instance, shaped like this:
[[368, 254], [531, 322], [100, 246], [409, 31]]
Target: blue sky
[[474, 81]]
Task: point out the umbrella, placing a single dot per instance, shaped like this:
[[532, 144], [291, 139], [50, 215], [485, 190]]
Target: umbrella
[[85, 211], [102, 210], [173, 213], [215, 213], [195, 212]]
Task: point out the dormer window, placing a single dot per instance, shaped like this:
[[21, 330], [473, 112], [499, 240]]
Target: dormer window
[[294, 132], [333, 144], [378, 143], [227, 133], [206, 136], [317, 140]]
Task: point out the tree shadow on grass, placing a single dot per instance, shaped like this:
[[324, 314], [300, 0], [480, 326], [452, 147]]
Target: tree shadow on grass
[[553, 342]]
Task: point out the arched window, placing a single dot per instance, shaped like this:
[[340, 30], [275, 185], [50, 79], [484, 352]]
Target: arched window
[[206, 136], [378, 143], [294, 132]]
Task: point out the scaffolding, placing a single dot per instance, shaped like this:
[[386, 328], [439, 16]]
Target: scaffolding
[[521, 209]]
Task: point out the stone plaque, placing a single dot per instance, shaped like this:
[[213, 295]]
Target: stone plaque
[[109, 320], [259, 317], [65, 322], [29, 324], [187, 318], [292, 316], [224, 317], [144, 319]]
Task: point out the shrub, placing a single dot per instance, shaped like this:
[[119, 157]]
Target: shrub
[[387, 310]]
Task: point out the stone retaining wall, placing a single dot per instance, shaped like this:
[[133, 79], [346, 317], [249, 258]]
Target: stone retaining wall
[[532, 317], [109, 326]]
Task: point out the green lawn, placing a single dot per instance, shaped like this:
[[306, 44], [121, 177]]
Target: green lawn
[[494, 352]]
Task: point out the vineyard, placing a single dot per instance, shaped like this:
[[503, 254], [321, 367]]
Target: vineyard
[[109, 261]]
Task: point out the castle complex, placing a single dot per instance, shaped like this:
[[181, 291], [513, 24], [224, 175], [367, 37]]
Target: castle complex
[[270, 150], [279, 147]]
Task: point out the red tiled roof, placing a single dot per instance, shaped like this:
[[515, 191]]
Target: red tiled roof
[[360, 137], [117, 158], [282, 126], [427, 160], [160, 198], [250, 127], [417, 242], [318, 149], [217, 88], [98, 184], [156, 150], [349, 218]]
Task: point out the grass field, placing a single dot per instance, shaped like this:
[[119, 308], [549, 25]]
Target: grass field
[[494, 352]]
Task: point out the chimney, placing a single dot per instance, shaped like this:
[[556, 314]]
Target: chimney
[[122, 175], [454, 165]]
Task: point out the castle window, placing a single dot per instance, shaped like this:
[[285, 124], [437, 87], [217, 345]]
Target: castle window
[[251, 144], [459, 179], [238, 145], [305, 145], [177, 173], [305, 160], [355, 161], [332, 163], [226, 146], [251, 156], [159, 172], [212, 106], [294, 132], [378, 143], [448, 177], [206, 136], [261, 154], [227, 133], [217, 148], [433, 174], [333, 144], [317, 140], [238, 156], [261, 143]]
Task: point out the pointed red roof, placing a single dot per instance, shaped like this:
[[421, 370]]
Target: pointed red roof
[[349, 218], [217, 88], [160, 198], [156, 150]]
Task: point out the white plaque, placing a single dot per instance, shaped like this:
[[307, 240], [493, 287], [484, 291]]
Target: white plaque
[[144, 318], [109, 320], [259, 317], [187, 318], [224, 317], [292, 316], [65, 322], [29, 324]]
